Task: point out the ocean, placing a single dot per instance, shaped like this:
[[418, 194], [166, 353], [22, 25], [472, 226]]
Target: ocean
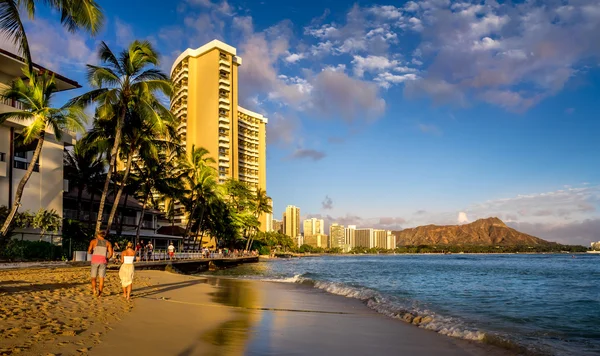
[[546, 304]]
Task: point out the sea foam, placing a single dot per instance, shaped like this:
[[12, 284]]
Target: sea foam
[[391, 307]]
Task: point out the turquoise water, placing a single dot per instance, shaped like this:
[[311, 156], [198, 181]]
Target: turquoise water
[[546, 304]]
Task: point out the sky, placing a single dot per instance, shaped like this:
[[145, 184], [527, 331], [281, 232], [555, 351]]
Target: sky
[[397, 114]]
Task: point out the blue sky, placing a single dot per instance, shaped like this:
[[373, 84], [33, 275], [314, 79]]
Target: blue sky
[[392, 114]]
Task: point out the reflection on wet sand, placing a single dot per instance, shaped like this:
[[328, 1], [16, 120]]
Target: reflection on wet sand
[[232, 336]]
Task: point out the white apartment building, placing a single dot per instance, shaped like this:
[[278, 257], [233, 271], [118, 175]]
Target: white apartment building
[[45, 186]]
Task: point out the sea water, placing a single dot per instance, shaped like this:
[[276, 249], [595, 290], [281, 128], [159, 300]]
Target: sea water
[[545, 304]]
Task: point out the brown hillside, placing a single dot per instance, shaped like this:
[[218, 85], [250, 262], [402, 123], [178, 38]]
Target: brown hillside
[[490, 231]]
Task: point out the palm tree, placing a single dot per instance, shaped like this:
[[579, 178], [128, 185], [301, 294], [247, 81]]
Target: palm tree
[[199, 181], [74, 15], [121, 84], [158, 174], [83, 165], [36, 97], [262, 206]]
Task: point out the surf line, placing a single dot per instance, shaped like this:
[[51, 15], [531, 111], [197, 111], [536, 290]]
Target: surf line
[[251, 308]]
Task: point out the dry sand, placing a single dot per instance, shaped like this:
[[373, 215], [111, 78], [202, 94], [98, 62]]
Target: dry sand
[[52, 312]]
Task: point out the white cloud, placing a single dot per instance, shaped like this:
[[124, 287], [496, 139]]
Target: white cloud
[[294, 57], [386, 79], [462, 218], [371, 64]]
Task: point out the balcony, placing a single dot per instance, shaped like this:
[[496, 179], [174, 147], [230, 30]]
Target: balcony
[[223, 144], [223, 138], [223, 126], [223, 119], [223, 106], [224, 68], [223, 157], [224, 87], [224, 80], [224, 99], [224, 62], [223, 164]]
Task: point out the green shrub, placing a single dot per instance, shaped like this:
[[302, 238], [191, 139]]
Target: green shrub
[[16, 250]]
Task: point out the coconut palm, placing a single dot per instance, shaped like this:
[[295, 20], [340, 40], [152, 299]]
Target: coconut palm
[[262, 204], [83, 165], [130, 81], [200, 179], [74, 15], [157, 174], [35, 95]]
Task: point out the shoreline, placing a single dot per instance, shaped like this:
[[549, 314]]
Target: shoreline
[[51, 311], [268, 318]]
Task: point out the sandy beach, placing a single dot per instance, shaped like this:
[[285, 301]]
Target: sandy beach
[[51, 311]]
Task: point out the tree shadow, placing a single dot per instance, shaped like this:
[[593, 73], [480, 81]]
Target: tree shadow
[[32, 287]]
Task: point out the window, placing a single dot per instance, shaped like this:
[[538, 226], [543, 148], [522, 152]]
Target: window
[[2, 157], [21, 154], [25, 165]]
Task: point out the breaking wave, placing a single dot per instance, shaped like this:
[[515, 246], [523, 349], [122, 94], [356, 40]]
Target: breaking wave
[[392, 307]]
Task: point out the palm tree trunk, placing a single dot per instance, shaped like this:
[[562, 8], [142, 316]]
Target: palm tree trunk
[[189, 222], [21, 186], [91, 210], [113, 161], [120, 229], [139, 225], [200, 226], [113, 210], [79, 207]]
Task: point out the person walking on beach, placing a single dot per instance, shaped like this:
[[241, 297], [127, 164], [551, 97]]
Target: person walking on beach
[[101, 250], [126, 270], [149, 248], [171, 250], [138, 250], [117, 252]]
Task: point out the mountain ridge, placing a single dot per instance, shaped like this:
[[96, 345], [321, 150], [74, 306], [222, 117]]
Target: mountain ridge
[[484, 232]]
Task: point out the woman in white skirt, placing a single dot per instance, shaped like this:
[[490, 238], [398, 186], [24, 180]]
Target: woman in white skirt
[[126, 270]]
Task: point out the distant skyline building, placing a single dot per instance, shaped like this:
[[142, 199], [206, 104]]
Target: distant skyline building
[[337, 236], [313, 226], [291, 221], [384, 239], [278, 226], [317, 240], [349, 235], [364, 238]]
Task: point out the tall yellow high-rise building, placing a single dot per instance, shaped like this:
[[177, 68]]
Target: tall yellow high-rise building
[[291, 221], [206, 101]]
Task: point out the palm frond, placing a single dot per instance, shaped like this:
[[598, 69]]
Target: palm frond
[[12, 27]]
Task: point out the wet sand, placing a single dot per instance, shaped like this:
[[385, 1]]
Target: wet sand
[[51, 312], [186, 315]]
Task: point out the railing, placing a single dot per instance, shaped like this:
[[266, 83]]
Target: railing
[[15, 104], [163, 255]]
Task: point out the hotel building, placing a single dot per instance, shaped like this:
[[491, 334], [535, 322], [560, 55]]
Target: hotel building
[[349, 235], [46, 185], [364, 238], [337, 236], [205, 100], [317, 240], [313, 226], [291, 221]]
